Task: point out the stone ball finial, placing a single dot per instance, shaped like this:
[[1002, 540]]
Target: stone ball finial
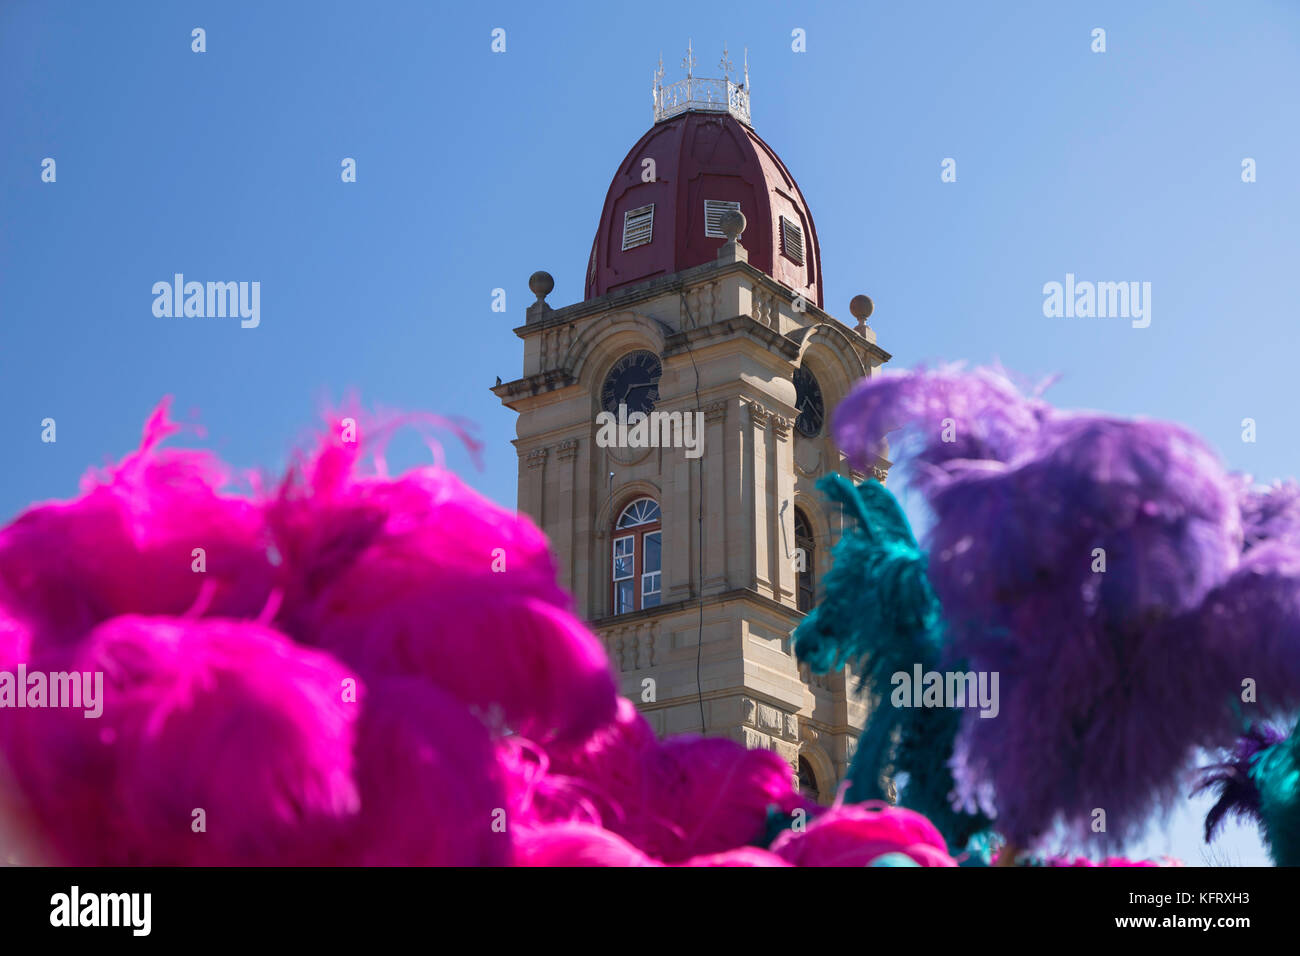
[[861, 306], [732, 223], [541, 283]]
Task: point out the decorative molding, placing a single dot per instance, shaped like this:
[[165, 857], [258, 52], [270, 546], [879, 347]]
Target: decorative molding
[[699, 305], [758, 416], [536, 458], [645, 645], [567, 450], [764, 306], [716, 411], [780, 427], [709, 302], [631, 647], [555, 344]]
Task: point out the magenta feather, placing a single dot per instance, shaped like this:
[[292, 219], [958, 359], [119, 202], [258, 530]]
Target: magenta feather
[[741, 856], [425, 762], [576, 844], [687, 796], [707, 795], [225, 717], [584, 844], [397, 577], [127, 546], [857, 834], [367, 671]]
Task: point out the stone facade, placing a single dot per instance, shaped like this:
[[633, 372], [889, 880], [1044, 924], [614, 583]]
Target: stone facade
[[716, 654]]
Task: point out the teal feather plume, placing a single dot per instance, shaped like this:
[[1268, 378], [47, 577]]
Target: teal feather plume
[[1260, 781], [1277, 774], [879, 614]]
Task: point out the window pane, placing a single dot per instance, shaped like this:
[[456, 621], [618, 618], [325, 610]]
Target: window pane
[[641, 511], [622, 597], [623, 558], [653, 550], [650, 589]]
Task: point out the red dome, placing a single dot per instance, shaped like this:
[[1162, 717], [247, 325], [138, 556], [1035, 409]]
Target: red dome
[[699, 157]]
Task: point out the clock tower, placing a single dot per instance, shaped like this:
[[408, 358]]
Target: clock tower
[[693, 539]]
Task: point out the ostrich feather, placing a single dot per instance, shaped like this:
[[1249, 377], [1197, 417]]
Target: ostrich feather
[[424, 760], [127, 545], [948, 417], [879, 614], [1271, 513], [860, 835], [1259, 780], [680, 798], [1077, 555], [576, 844], [421, 575], [221, 716]]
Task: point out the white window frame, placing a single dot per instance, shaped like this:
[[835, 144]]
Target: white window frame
[[657, 576], [629, 576], [643, 584]]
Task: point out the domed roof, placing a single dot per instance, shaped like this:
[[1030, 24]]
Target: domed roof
[[661, 217]]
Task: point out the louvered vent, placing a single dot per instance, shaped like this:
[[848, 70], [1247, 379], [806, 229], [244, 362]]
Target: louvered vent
[[713, 210], [792, 240], [638, 226]]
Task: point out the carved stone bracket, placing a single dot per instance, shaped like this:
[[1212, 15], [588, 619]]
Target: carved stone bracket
[[701, 305], [536, 458], [764, 307], [715, 412], [567, 450]]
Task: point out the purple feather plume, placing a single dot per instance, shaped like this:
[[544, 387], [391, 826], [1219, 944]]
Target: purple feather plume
[[1109, 679]]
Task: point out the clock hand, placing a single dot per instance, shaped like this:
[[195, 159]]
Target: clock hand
[[634, 385]]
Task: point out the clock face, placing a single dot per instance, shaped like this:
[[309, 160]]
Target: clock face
[[634, 382], [808, 400]]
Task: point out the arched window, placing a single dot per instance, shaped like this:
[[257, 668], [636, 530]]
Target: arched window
[[808, 781], [637, 578], [806, 568]]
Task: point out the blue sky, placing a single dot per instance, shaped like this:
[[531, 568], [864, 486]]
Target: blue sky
[[474, 169]]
